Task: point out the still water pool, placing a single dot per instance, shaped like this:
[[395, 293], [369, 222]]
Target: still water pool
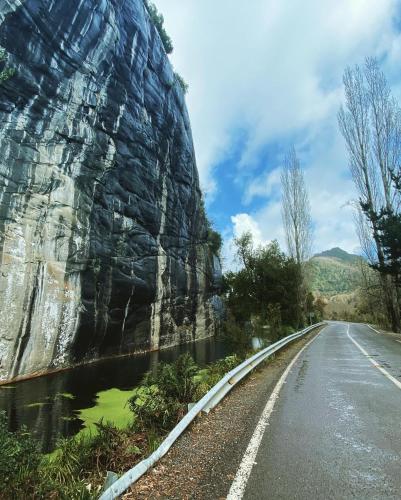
[[49, 406]]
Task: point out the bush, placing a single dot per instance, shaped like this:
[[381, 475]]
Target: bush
[[215, 241], [175, 380], [213, 238], [158, 21], [153, 410], [5, 73], [273, 317], [235, 335], [182, 83], [161, 399], [205, 379], [19, 461]]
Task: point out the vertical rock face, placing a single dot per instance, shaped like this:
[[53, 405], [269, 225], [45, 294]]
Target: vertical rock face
[[102, 232]]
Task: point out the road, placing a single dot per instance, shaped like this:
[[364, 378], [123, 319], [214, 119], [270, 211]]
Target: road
[[334, 431]]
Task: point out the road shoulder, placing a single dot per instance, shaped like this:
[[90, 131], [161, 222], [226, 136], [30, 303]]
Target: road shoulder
[[204, 461]]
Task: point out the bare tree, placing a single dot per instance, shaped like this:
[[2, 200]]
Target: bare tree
[[296, 209], [371, 126]]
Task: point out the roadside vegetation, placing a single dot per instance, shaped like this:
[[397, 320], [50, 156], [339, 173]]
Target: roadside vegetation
[[77, 468], [266, 297]]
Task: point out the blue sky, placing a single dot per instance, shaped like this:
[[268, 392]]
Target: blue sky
[[262, 75]]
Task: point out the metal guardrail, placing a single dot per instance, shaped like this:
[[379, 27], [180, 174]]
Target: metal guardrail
[[208, 402]]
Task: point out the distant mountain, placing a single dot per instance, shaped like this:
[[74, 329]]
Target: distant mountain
[[339, 253], [334, 272]]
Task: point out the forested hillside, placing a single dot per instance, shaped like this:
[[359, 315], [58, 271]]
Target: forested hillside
[[334, 272]]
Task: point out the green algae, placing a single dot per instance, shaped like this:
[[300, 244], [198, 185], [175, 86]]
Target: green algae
[[111, 406], [36, 405], [66, 395]]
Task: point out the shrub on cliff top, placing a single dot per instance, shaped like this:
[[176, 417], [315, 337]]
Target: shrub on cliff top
[[214, 240], [5, 73], [180, 80], [158, 21]]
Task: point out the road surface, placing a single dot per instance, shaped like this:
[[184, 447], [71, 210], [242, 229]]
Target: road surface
[[334, 429]]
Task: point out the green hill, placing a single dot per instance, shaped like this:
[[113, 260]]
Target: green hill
[[340, 254], [334, 272]]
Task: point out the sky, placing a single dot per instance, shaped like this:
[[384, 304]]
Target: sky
[[266, 74]]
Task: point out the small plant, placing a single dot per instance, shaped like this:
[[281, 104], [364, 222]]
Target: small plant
[[158, 21], [213, 238], [180, 80], [6, 73]]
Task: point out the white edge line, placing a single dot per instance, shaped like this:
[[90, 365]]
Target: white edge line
[[375, 363], [244, 471], [371, 327]]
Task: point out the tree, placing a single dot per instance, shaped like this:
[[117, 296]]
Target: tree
[[296, 209], [297, 223], [389, 228], [371, 125], [244, 244], [266, 285]]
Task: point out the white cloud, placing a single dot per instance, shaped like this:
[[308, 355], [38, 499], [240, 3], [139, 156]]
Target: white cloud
[[269, 66], [266, 185], [242, 223], [272, 70]]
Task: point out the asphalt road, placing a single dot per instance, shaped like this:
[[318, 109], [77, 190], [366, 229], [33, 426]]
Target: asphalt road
[[335, 429]]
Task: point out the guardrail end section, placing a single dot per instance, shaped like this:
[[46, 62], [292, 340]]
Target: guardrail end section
[[111, 478]]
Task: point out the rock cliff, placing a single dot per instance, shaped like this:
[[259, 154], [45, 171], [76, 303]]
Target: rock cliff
[[103, 240]]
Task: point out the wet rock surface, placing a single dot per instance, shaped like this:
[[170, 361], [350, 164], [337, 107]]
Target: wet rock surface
[[102, 230]]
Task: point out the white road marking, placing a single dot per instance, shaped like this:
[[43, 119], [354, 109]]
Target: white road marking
[[241, 478], [374, 362], [371, 327]]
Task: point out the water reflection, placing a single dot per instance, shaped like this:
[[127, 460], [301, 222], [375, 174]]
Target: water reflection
[[47, 405]]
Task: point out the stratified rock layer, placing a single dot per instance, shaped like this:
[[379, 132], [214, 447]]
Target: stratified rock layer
[[102, 231]]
